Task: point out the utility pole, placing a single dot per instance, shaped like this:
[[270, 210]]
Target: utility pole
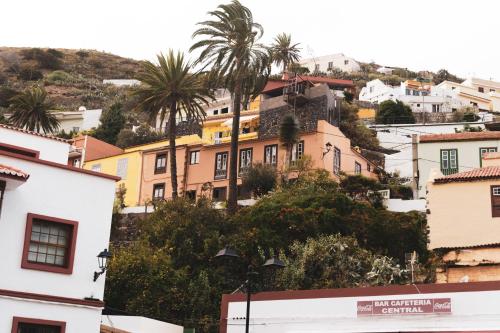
[[414, 148]]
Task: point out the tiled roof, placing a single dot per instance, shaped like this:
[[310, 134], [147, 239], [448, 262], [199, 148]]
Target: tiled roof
[[491, 172], [10, 171], [32, 133], [466, 136], [279, 84]]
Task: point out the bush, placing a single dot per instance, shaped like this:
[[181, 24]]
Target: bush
[[260, 179], [55, 53], [50, 59], [142, 135], [30, 74], [6, 94], [470, 117], [82, 54], [59, 76], [391, 112]]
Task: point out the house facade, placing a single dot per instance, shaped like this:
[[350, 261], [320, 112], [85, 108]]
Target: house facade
[[54, 221], [450, 154], [325, 64], [463, 215], [483, 95]]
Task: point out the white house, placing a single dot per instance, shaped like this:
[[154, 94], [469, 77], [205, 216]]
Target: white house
[[122, 82], [447, 307], [54, 221], [421, 98], [329, 62], [451, 153], [483, 95]]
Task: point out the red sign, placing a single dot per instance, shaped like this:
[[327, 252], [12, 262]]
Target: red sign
[[404, 307]]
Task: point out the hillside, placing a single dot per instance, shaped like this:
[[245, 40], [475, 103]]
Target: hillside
[[71, 77]]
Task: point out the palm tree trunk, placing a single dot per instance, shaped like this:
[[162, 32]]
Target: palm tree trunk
[[232, 202], [173, 158]]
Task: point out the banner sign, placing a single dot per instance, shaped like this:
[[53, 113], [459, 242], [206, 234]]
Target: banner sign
[[404, 307]]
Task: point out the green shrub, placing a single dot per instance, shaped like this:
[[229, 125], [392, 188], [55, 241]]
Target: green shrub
[[55, 53], [82, 54], [6, 95], [30, 74], [470, 117], [59, 76]]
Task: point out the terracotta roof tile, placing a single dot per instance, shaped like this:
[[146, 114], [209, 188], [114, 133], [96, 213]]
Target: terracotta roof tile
[[33, 133], [279, 84], [467, 136], [10, 171], [491, 172]]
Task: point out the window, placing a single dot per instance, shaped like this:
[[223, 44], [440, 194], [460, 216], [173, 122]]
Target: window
[[76, 163], [495, 201], [271, 155], [330, 65], [480, 89], [245, 160], [219, 194], [161, 163], [449, 161], [357, 168], [368, 167], [336, 160], [19, 150], [415, 92], [2, 191], [224, 110], [492, 90], [436, 107], [49, 244], [418, 105], [220, 165], [121, 168], [408, 92], [483, 151], [316, 67], [346, 62], [30, 325], [96, 167], [372, 89], [194, 157], [191, 195], [159, 191], [216, 112], [76, 129], [297, 151]]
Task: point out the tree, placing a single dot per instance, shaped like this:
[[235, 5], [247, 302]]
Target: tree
[[335, 261], [168, 88], [444, 75], [32, 111], [112, 122], [360, 135], [142, 135], [260, 179], [297, 68], [284, 52], [289, 134], [391, 112], [231, 48]]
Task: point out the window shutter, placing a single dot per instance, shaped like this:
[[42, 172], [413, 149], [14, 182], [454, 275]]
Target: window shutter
[[495, 201]]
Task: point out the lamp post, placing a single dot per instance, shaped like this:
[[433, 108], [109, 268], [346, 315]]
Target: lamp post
[[102, 259], [273, 262]]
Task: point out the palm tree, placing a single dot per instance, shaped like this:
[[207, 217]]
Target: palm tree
[[32, 111], [231, 47], [167, 88], [284, 52], [289, 135]]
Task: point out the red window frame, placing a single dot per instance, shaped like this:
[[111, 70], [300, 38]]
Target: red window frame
[[19, 150], [68, 269], [21, 320]]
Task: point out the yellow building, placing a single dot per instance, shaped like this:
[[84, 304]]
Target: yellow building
[[128, 166]]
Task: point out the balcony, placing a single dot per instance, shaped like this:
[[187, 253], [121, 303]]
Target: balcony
[[447, 172], [241, 137], [220, 174]]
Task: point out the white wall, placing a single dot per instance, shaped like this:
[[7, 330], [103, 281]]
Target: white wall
[[468, 157], [50, 149], [470, 311], [91, 119], [63, 194], [79, 319], [398, 137], [338, 62], [136, 324]]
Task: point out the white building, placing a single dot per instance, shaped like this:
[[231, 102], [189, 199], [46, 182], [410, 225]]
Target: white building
[[449, 307], [122, 82], [327, 63], [137, 324], [483, 95], [421, 98], [448, 154], [54, 221]]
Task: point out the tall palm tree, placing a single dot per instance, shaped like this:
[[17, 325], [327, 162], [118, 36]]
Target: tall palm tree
[[231, 47], [32, 111], [284, 52], [168, 88], [289, 135]]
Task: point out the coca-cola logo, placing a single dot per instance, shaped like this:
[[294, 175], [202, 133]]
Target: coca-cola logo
[[365, 308], [442, 305]]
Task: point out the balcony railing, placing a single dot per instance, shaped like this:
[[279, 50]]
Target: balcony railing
[[220, 174], [447, 172]]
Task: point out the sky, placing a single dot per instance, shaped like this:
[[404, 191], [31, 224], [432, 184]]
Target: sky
[[460, 35]]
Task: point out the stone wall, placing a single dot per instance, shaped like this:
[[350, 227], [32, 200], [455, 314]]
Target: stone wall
[[187, 128]]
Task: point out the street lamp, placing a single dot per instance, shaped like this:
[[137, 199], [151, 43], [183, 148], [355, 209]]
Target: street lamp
[[273, 262], [102, 259]]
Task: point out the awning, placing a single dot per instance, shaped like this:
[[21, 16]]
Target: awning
[[12, 176], [244, 119]]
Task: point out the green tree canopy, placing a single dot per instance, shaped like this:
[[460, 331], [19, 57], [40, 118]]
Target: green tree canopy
[[112, 122], [260, 179], [391, 112], [284, 52]]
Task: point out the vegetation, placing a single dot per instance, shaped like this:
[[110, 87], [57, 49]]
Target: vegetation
[[391, 112], [166, 89], [112, 122], [289, 134], [260, 179], [31, 110], [238, 62], [326, 238], [360, 135], [142, 135], [284, 53]]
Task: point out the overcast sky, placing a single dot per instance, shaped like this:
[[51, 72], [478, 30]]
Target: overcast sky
[[460, 35]]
